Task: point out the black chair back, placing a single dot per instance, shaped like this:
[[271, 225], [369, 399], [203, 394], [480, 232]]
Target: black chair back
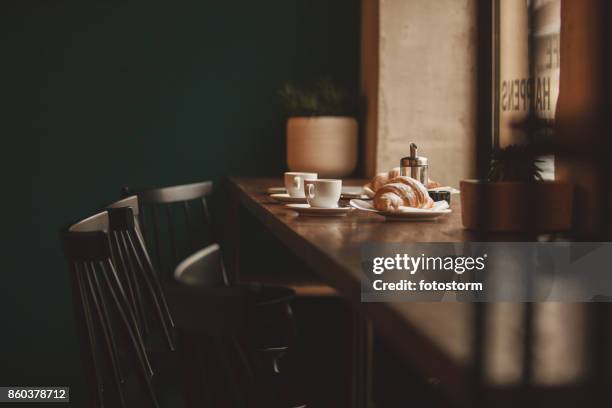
[[139, 277], [204, 268], [226, 367], [112, 344], [175, 221], [132, 203]]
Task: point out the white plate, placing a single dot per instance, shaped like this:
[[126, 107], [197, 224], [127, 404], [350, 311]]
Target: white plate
[[367, 191], [286, 198], [305, 209], [406, 213], [349, 192]]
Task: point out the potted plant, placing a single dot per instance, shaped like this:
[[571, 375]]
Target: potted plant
[[514, 198], [321, 129]]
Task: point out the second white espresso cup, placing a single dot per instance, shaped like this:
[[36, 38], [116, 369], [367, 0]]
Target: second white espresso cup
[[323, 193], [294, 182]]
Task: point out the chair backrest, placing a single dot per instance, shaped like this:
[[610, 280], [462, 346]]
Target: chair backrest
[[138, 274], [112, 343], [175, 221], [204, 268], [232, 358], [132, 203]]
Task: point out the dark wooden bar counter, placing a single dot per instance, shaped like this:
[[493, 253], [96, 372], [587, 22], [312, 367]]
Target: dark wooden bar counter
[[472, 353], [434, 337]]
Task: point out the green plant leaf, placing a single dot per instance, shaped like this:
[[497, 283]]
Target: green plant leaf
[[515, 163], [324, 98]]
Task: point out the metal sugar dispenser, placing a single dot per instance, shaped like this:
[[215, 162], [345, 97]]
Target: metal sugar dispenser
[[415, 166]]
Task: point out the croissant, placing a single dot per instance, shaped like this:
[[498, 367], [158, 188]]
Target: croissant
[[383, 178], [433, 184], [402, 191]]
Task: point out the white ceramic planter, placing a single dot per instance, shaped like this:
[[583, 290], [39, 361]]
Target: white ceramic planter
[[326, 145]]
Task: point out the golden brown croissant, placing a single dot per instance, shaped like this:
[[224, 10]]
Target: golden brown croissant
[[433, 184], [383, 178], [402, 191]]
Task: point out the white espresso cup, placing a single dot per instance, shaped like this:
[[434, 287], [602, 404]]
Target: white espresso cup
[[294, 182], [323, 193]]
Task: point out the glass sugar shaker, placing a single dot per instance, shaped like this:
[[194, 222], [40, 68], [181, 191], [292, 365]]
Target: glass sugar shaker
[[415, 166]]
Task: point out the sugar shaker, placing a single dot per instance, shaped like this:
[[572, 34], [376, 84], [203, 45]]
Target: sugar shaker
[[414, 166]]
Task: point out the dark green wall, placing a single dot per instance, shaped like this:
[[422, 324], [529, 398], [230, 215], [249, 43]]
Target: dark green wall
[[102, 94]]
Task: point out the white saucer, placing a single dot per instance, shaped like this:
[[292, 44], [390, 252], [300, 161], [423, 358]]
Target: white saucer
[[305, 209], [407, 213], [277, 190], [348, 192], [286, 198]]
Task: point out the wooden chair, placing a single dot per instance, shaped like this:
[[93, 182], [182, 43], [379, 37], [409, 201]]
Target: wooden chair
[[175, 221], [118, 366], [205, 268], [137, 272], [273, 330], [108, 328], [132, 203]]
